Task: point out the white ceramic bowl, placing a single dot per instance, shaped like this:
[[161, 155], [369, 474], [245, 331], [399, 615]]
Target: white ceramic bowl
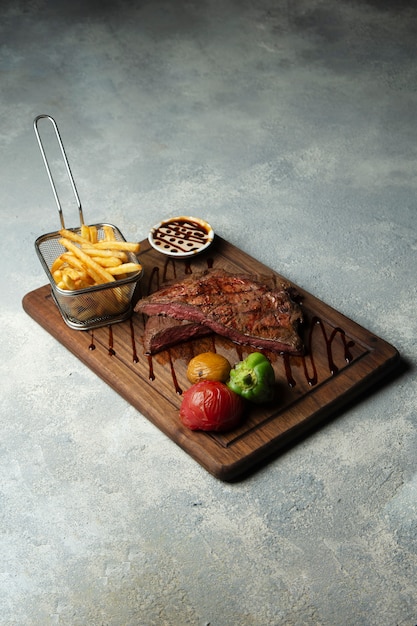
[[181, 237]]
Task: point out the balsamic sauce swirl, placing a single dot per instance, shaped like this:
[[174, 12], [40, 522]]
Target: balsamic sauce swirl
[[180, 236], [308, 361]]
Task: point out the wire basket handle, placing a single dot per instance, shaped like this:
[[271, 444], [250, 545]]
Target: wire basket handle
[[48, 170]]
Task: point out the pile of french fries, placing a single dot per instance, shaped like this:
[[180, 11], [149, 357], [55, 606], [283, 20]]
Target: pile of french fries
[[89, 261]]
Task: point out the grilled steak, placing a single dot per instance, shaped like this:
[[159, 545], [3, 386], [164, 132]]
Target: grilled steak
[[235, 306], [164, 332]]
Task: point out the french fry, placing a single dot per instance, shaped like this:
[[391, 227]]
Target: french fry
[[57, 264], [125, 268], [88, 261], [94, 269], [107, 261], [57, 275], [118, 245], [93, 251], [68, 281], [69, 234], [93, 234], [108, 233], [85, 232], [72, 260]]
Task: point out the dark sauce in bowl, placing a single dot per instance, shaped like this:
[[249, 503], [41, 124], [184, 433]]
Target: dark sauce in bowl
[[181, 236]]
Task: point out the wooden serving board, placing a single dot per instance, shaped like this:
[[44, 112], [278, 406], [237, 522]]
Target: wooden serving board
[[342, 360]]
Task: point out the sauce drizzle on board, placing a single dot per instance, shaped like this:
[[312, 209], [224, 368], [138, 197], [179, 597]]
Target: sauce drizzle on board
[[312, 379], [308, 361], [348, 359], [133, 342], [111, 348]]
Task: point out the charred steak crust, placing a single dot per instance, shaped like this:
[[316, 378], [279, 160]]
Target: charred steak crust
[[236, 306]]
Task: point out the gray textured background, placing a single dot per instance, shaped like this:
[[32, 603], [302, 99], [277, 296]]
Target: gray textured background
[[291, 127]]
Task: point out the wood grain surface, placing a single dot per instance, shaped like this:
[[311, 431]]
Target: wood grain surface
[[342, 360]]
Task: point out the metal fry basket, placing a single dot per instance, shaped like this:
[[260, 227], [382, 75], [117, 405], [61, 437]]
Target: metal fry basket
[[92, 307]]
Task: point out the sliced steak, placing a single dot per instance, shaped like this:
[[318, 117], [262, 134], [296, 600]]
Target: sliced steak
[[164, 332], [235, 306]]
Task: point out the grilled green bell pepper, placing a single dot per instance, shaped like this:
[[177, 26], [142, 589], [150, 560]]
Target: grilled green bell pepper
[[253, 378]]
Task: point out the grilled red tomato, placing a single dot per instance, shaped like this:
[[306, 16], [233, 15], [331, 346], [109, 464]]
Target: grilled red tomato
[[211, 405]]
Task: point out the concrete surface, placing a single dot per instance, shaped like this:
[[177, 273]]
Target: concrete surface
[[291, 127]]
